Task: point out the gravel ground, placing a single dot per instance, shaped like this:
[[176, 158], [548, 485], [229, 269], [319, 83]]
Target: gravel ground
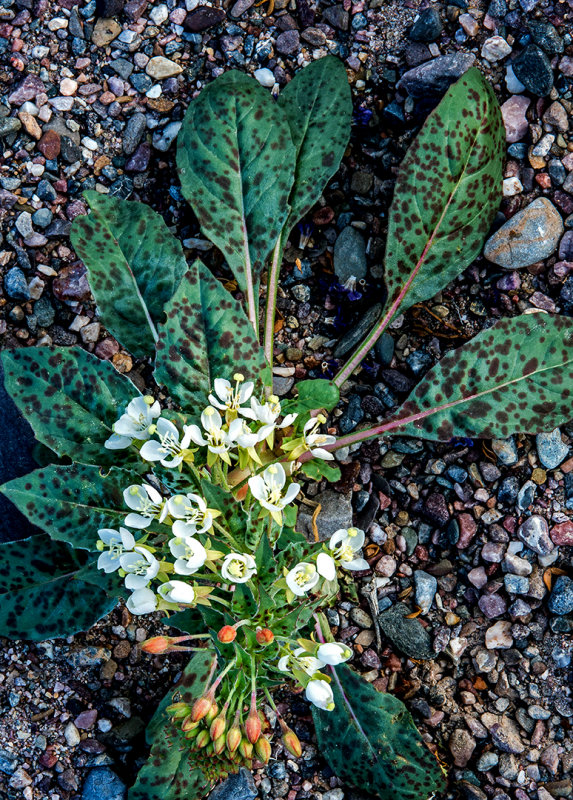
[[476, 535]]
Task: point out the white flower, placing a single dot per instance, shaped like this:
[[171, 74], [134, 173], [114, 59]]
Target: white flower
[[334, 653], [302, 578], [314, 440], [134, 424], [240, 433], [344, 545], [191, 514], [231, 398], [216, 439], [190, 554], [267, 489], [326, 566], [118, 542], [147, 502], [168, 450], [302, 660], [267, 413], [238, 567], [142, 601], [141, 567], [320, 694], [177, 592]]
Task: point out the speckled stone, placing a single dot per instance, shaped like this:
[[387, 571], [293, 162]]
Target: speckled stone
[[531, 235]]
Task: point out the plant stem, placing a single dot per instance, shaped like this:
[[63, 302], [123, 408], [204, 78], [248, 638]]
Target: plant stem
[[272, 289]]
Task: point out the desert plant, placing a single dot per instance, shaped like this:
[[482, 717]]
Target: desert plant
[[188, 504]]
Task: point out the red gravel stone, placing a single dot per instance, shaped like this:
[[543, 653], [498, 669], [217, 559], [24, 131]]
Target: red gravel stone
[[562, 533], [49, 145]]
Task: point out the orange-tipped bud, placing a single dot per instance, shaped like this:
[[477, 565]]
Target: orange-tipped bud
[[227, 634], [253, 726], [212, 713], [292, 742], [203, 738], [164, 644], [188, 724], [263, 749], [178, 710], [201, 708], [218, 726], [233, 738], [219, 744], [265, 637], [246, 748]]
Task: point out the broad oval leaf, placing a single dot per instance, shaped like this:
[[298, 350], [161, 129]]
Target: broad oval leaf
[[43, 591], [70, 398], [318, 107], [447, 193], [370, 741], [206, 336], [72, 502], [134, 264], [516, 376], [236, 164]]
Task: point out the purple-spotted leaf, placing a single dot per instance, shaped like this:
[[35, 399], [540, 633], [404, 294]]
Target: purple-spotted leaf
[[72, 502], [134, 264], [318, 107], [173, 771], [206, 336], [370, 741], [446, 195], [71, 399], [43, 590], [236, 164], [516, 376]]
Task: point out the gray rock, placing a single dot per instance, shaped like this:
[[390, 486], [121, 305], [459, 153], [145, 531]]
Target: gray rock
[[561, 599], [9, 125], [15, 284], [435, 76], [8, 762], [335, 513], [534, 532], [531, 235], [163, 139], [133, 132], [505, 450], [533, 69], [506, 737], [350, 255], [282, 385], [426, 587], [546, 36], [103, 784], [409, 635], [237, 787], [427, 26], [551, 449], [355, 335]]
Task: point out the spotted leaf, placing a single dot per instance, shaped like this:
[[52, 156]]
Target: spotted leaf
[[172, 771], [71, 502], [43, 591], [514, 377], [446, 195], [70, 398], [134, 264], [236, 163], [206, 336], [318, 107], [370, 742]]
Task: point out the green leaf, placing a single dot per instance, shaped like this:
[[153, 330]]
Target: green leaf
[[172, 771], [43, 591], [70, 398], [318, 107], [72, 502], [236, 163], [370, 741], [313, 394], [513, 377], [206, 336], [447, 193], [317, 469], [134, 264]]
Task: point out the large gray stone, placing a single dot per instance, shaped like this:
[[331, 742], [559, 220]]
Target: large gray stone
[[335, 513], [350, 255], [237, 787], [408, 635], [530, 236], [103, 784], [434, 77]]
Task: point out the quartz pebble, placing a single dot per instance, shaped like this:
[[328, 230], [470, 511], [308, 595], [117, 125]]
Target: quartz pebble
[[529, 236]]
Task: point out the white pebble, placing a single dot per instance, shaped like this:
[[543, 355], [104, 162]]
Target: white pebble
[[495, 48], [159, 14], [511, 187], [40, 51], [265, 77], [68, 87], [89, 143], [58, 23], [513, 85]]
